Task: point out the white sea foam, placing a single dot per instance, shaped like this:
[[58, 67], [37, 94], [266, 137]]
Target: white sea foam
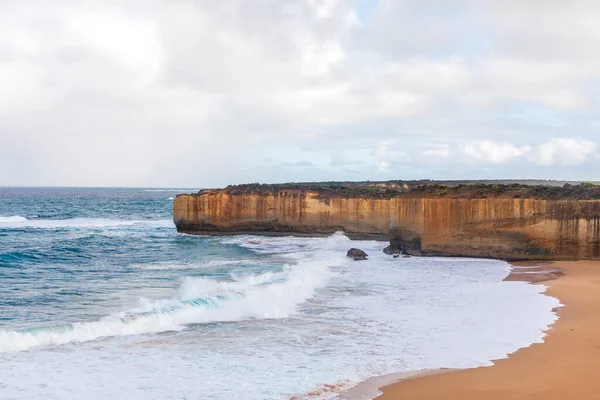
[[12, 219], [80, 223], [289, 244], [198, 300], [322, 319], [178, 265]]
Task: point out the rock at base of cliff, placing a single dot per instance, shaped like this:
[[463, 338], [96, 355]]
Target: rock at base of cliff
[[394, 249], [357, 254]]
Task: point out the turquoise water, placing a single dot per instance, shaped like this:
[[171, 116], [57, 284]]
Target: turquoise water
[[99, 294], [61, 249]]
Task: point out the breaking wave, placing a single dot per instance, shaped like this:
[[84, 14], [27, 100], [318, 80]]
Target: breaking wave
[[198, 300], [17, 221], [174, 265], [289, 244], [12, 219]]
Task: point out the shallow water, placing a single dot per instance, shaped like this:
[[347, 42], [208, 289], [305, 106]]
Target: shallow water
[[99, 294]]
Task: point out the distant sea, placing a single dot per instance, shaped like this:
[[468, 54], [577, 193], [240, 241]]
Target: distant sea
[[101, 298]]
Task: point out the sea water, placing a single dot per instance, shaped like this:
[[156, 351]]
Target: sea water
[[101, 298]]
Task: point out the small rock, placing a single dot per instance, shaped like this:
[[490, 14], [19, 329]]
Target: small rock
[[357, 254], [394, 247]]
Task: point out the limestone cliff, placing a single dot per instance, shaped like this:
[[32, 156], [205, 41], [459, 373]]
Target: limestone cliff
[[498, 224]]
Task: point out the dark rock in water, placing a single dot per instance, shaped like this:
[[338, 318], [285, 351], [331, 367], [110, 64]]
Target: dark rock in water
[[357, 254], [391, 251], [394, 249], [396, 255]]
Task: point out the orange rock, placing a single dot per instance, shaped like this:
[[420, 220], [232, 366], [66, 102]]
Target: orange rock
[[506, 228]]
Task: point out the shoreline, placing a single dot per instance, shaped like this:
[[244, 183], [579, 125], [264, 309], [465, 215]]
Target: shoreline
[[371, 388], [564, 364], [532, 272]]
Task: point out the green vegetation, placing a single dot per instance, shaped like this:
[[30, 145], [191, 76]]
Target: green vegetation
[[429, 188], [366, 190]]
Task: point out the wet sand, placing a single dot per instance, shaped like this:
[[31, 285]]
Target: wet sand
[[565, 366]]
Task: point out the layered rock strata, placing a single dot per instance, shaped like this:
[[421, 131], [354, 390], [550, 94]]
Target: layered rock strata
[[498, 227]]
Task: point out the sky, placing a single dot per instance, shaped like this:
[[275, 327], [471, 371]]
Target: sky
[[204, 93]]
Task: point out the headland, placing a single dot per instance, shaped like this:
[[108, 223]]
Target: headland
[[504, 220]]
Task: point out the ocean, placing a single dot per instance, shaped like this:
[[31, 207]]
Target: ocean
[[101, 298]]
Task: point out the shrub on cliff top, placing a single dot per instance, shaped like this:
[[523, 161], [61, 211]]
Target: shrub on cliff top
[[425, 188]]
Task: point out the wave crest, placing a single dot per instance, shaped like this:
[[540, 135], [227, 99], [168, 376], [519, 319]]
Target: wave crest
[[12, 219], [198, 300], [80, 223]]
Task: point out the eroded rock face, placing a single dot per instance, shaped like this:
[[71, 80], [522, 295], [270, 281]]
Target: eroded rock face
[[357, 254], [505, 228]]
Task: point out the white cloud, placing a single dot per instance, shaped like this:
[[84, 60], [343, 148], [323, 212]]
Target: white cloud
[[380, 154], [133, 43], [437, 152], [487, 151], [148, 92], [554, 84], [322, 9], [383, 166], [557, 151], [563, 151]]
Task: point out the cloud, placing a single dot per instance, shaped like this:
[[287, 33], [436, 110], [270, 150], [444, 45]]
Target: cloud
[[557, 151], [563, 151], [487, 151], [438, 151], [383, 166], [380, 154], [197, 93]]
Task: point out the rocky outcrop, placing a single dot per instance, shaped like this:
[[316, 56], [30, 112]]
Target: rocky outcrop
[[430, 224], [357, 254]]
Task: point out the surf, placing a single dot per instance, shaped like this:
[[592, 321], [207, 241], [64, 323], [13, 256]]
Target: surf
[[198, 300], [12, 219], [17, 221]]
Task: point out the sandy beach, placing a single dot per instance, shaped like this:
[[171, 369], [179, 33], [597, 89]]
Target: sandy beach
[[566, 365]]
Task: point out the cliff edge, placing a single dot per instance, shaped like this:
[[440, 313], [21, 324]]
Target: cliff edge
[[506, 221]]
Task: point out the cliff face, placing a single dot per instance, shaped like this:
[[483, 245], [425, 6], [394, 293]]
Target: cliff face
[[506, 228]]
